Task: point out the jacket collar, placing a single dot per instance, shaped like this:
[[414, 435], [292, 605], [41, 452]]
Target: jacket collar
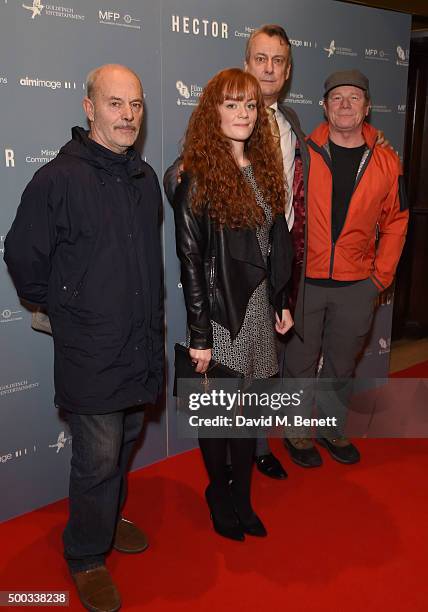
[[85, 148], [320, 135]]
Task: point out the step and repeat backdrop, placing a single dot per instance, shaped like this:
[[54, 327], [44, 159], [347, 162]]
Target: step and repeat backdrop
[[46, 50]]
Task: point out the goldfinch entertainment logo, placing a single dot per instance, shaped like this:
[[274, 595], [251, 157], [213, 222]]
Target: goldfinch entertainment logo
[[37, 9], [61, 442], [333, 49]]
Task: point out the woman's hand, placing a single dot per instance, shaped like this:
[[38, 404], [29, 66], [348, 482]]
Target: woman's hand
[[201, 357], [285, 323]]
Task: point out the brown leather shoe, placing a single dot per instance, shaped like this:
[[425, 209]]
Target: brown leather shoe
[[97, 591], [129, 538]]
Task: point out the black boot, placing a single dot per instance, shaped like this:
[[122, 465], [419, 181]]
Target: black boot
[[248, 519], [225, 521]]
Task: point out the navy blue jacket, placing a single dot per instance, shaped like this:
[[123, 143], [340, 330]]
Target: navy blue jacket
[[85, 244]]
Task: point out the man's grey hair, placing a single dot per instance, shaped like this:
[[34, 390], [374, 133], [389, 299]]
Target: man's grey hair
[[271, 29], [91, 79]]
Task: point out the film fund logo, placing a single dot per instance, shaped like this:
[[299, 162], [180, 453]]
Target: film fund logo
[[117, 19], [37, 9], [384, 345], [195, 26], [333, 49], [189, 94], [402, 56]]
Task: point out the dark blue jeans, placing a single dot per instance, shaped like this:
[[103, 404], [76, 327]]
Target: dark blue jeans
[[102, 447]]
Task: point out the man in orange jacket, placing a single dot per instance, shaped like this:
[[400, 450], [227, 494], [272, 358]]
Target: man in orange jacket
[[356, 225]]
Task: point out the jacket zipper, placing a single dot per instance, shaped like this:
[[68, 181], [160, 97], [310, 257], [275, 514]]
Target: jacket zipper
[[212, 278], [326, 155]]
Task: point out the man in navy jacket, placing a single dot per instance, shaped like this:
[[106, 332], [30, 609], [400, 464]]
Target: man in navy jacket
[[85, 245]]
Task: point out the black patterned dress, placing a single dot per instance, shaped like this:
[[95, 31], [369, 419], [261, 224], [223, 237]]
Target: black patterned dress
[[253, 352]]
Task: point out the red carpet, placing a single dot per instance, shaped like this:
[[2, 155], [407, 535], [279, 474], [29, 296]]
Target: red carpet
[[420, 370], [341, 538]]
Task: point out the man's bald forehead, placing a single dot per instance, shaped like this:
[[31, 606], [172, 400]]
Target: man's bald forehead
[[97, 74]]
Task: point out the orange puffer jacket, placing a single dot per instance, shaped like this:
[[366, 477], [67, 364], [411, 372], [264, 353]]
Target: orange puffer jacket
[[374, 231]]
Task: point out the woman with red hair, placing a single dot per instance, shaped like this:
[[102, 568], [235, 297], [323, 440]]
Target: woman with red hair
[[235, 254]]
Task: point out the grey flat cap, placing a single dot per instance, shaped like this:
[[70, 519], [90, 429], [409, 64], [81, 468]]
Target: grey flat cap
[[346, 77]]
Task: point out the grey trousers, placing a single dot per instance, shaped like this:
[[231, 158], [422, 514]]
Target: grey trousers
[[337, 321]]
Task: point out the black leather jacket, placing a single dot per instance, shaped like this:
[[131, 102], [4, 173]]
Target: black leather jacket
[[220, 268]]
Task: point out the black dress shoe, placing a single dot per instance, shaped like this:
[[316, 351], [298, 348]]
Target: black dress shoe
[[340, 449], [303, 452], [223, 516], [270, 466]]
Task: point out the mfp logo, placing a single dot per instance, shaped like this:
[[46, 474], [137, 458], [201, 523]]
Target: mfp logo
[[9, 316], [115, 18], [376, 54], [199, 27], [36, 8]]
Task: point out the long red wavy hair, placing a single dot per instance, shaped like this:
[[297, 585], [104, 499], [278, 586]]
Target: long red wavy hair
[[216, 179]]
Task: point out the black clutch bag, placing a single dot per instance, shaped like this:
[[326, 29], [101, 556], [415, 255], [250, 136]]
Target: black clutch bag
[[184, 368]]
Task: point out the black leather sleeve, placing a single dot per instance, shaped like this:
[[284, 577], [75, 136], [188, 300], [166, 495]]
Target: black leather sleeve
[[280, 262], [170, 179], [191, 233]]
